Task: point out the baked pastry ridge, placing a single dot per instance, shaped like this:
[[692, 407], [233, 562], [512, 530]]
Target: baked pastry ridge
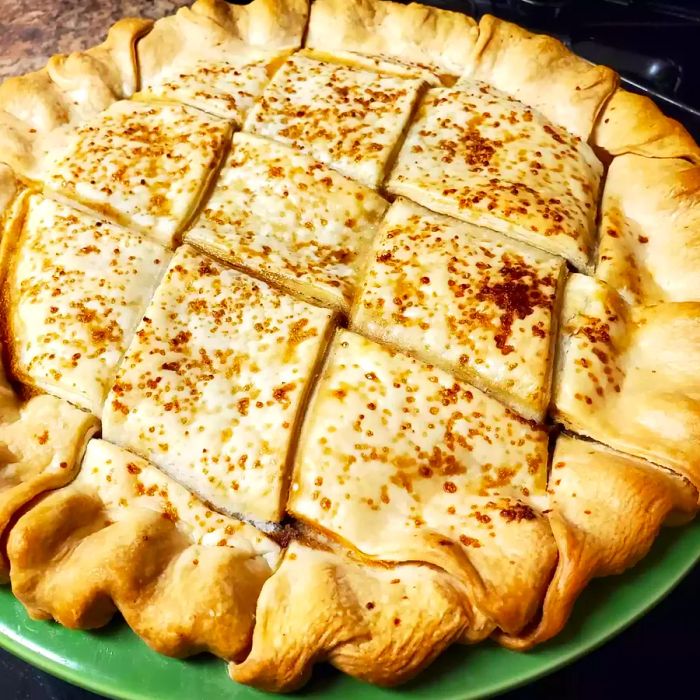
[[474, 302], [414, 34], [649, 233], [640, 362], [281, 214], [217, 56], [74, 292], [404, 463], [477, 154], [210, 387], [380, 624], [39, 110], [124, 536], [631, 123], [541, 72], [605, 509], [41, 444]]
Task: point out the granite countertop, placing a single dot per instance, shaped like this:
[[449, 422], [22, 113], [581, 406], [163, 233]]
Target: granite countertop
[[33, 30]]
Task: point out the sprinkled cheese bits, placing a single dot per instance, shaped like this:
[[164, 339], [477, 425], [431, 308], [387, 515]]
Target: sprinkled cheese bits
[[474, 302], [224, 88], [282, 214], [76, 289], [479, 155], [210, 387], [350, 118], [629, 376], [142, 165], [407, 464]]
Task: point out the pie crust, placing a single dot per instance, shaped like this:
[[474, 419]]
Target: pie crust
[[295, 367]]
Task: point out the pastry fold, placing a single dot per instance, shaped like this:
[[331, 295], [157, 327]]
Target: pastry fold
[[414, 34], [649, 233], [124, 536], [628, 376], [541, 72], [41, 444], [631, 123], [381, 624], [217, 56], [606, 509], [39, 110]]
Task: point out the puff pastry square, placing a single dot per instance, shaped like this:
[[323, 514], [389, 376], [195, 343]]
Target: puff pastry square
[[76, 288], [406, 464], [477, 154], [145, 166], [211, 384], [281, 214], [629, 377], [478, 304], [350, 118], [649, 242]]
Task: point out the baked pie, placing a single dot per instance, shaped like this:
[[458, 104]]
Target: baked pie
[[340, 332]]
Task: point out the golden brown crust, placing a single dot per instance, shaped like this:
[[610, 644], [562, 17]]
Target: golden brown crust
[[629, 376], [123, 537], [649, 233], [631, 123], [41, 443], [8, 190], [379, 624], [606, 510], [541, 72], [38, 109], [436, 39], [214, 29]]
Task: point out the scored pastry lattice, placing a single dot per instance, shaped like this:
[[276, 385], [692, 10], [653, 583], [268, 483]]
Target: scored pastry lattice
[[330, 308]]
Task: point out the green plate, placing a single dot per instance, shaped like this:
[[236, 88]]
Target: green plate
[[114, 662]]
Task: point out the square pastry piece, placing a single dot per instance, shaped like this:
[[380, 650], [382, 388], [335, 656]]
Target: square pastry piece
[[477, 154], [649, 247], [145, 166], [210, 387], [474, 302], [224, 87], [75, 291], [350, 118], [629, 376], [406, 464], [283, 215]]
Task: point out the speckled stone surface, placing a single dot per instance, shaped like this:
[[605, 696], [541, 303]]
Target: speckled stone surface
[[33, 30]]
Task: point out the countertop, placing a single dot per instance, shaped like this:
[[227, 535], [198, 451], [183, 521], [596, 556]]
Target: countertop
[[31, 31]]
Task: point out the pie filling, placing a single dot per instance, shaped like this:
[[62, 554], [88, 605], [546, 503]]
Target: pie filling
[[319, 305]]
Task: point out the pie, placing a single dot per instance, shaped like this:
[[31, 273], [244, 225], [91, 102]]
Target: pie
[[341, 332]]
